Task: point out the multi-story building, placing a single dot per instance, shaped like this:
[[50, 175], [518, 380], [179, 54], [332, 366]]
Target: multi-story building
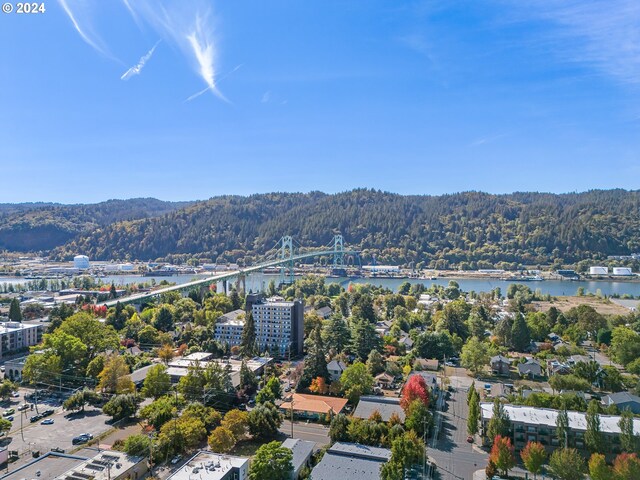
[[279, 326], [533, 424], [229, 328], [16, 336], [205, 465]]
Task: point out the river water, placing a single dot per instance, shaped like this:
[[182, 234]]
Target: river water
[[256, 282]]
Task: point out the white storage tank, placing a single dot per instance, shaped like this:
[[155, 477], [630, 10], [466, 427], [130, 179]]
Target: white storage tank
[[598, 270], [81, 262], [622, 271]]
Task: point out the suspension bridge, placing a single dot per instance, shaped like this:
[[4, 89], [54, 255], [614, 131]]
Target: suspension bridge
[[284, 254]]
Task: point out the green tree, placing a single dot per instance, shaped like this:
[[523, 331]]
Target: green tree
[[418, 418], [625, 345], [222, 440], [356, 381], [208, 415], [473, 419], [474, 355], [628, 440], [315, 363], [375, 362], [160, 411], [121, 406], [593, 435], [567, 464], [264, 421], [562, 426], [336, 335], [114, 377], [598, 468], [15, 315], [5, 425], [248, 343], [499, 424], [520, 335], [138, 445], [157, 383], [248, 381], [7, 387], [533, 456], [163, 319], [364, 338], [271, 392], [237, 422], [96, 336], [406, 451], [338, 430], [272, 461], [80, 399]]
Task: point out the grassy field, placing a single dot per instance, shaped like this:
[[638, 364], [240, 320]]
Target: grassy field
[[601, 305]]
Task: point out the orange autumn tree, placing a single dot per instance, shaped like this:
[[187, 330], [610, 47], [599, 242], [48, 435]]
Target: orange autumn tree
[[533, 456], [319, 385], [415, 389], [626, 466], [502, 454]]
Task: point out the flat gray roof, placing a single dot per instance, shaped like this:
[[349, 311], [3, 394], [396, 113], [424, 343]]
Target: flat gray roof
[[386, 406], [351, 461], [50, 465]]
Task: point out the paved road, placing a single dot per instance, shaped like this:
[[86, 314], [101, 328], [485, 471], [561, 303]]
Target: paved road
[[312, 432], [455, 458]]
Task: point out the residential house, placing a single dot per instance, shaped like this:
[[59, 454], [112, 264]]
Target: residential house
[[531, 368], [302, 451], [384, 380], [385, 406], [623, 400], [312, 406], [431, 364], [336, 367], [500, 365], [556, 367]]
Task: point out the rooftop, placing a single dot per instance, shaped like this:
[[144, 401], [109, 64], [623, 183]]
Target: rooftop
[[621, 397], [206, 465], [103, 466], [547, 416], [315, 403], [386, 406], [50, 465], [301, 450], [351, 461], [236, 317]]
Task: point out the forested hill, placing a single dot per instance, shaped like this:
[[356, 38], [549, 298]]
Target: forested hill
[[468, 230], [43, 226]]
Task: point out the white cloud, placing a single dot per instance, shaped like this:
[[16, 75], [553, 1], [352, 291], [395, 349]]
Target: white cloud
[[80, 16], [136, 69], [601, 34]]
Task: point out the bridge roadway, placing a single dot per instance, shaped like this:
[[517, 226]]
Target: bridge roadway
[[222, 276]]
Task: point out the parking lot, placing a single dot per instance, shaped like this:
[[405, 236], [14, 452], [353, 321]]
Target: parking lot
[[26, 437]]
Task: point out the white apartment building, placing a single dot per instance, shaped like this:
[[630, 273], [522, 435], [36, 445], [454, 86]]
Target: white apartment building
[[15, 336], [279, 326], [229, 328]]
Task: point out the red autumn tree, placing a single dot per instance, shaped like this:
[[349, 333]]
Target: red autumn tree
[[502, 454], [415, 389], [626, 466], [319, 385]]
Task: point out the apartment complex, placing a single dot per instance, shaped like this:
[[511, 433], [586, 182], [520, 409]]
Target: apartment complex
[[205, 465], [533, 424], [279, 326], [229, 328], [16, 336]]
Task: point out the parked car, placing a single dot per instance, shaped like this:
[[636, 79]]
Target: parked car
[[8, 412], [15, 394], [48, 421], [10, 418], [57, 450], [176, 459], [84, 438], [23, 407], [48, 412], [35, 418]]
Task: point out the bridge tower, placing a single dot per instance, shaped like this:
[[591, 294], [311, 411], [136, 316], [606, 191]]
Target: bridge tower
[[338, 252], [286, 253]]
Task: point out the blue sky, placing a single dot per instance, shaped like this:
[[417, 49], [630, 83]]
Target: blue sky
[[413, 97]]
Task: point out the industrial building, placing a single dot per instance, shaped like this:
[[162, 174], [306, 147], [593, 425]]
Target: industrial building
[[622, 271], [81, 262], [598, 270]]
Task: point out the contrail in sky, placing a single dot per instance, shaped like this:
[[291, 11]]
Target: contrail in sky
[[136, 69]]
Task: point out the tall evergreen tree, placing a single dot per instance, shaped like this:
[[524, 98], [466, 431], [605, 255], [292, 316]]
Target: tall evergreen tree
[[520, 335], [562, 426], [248, 343], [315, 363], [628, 440], [593, 435], [474, 412], [236, 301], [499, 423], [15, 315], [364, 338], [336, 335]]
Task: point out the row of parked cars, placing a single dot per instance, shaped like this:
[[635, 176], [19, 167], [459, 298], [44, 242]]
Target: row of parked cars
[[40, 416]]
